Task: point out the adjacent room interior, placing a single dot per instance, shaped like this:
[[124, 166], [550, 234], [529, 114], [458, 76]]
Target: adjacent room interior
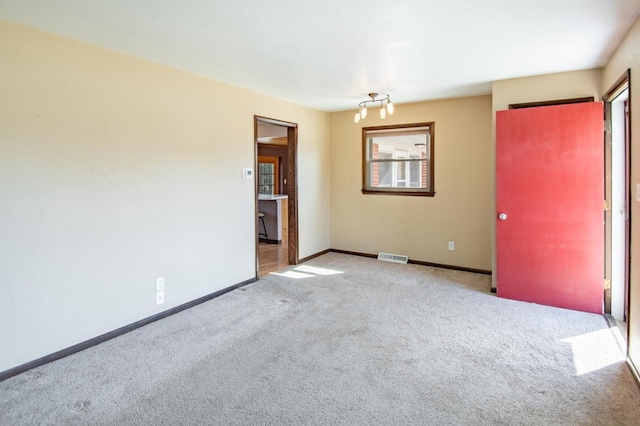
[[273, 173], [156, 158]]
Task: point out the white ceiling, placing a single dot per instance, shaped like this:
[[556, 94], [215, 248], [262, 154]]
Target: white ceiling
[[329, 54]]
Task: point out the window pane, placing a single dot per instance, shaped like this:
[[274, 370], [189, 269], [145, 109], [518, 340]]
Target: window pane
[[399, 174], [266, 178], [412, 145]]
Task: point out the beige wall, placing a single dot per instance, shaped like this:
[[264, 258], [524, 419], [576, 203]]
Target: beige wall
[[567, 85], [115, 171], [574, 84], [628, 56], [419, 227]]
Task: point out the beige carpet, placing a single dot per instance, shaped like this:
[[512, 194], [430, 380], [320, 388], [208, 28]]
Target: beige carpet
[[343, 340]]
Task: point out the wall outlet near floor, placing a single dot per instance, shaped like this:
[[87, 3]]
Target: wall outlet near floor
[[160, 284], [452, 246], [159, 297]]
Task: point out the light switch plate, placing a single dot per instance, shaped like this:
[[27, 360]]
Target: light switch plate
[[160, 284], [247, 173]]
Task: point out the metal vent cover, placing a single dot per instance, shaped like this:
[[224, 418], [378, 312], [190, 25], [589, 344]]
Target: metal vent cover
[[395, 258]]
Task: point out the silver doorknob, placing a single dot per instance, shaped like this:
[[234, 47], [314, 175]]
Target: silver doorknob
[[502, 216]]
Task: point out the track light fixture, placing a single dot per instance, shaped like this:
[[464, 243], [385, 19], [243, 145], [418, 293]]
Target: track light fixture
[[385, 106]]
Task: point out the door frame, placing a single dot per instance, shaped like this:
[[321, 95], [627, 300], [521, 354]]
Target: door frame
[[551, 102], [292, 184], [623, 83]]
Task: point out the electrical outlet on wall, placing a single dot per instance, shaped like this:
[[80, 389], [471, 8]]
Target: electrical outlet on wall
[[159, 297], [452, 246]]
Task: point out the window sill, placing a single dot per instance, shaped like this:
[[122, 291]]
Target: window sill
[[406, 193]]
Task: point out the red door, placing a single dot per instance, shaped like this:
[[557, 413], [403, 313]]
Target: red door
[[550, 192]]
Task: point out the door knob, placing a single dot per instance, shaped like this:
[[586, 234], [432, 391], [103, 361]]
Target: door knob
[[502, 216]]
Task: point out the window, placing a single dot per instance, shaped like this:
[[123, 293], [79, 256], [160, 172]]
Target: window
[[398, 160], [268, 175]]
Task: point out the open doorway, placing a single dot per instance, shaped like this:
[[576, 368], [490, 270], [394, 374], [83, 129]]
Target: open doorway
[[276, 194], [618, 188]]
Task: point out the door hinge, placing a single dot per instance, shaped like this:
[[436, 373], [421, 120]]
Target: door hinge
[[607, 126], [607, 284], [607, 205]]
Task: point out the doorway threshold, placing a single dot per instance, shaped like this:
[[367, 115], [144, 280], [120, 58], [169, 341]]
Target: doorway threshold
[[619, 330]]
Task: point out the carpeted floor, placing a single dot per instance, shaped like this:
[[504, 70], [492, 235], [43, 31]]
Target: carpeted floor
[[343, 340]]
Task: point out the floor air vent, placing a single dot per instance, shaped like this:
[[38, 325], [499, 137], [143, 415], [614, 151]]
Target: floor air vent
[[396, 258]]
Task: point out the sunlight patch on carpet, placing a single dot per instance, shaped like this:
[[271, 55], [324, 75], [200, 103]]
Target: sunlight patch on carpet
[[317, 271], [306, 271], [589, 352], [293, 274]]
